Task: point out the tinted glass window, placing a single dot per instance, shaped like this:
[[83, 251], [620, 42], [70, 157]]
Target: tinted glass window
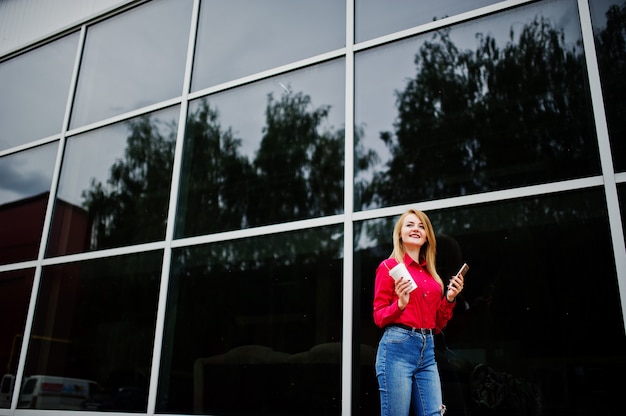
[[94, 323], [268, 152], [467, 110], [260, 316], [35, 88], [115, 185], [15, 288], [133, 60], [239, 37], [25, 179], [609, 20], [378, 17], [541, 273]]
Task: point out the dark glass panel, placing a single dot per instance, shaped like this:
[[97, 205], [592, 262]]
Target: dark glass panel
[[133, 60], [93, 334], [25, 179], [609, 24], [239, 37], [253, 326], [374, 18], [269, 152], [15, 288], [34, 90], [115, 185], [538, 328], [473, 108]]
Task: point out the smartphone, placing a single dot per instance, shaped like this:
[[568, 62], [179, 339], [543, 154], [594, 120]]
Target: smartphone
[[464, 268]]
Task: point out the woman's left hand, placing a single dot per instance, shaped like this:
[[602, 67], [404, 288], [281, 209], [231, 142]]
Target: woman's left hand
[[454, 287]]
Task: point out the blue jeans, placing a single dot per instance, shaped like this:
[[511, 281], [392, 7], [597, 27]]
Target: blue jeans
[[407, 374]]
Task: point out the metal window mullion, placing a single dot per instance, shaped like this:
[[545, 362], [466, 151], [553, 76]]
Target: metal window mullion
[[171, 219], [604, 145], [30, 316]]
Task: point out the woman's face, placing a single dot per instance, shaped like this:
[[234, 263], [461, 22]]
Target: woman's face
[[413, 232]]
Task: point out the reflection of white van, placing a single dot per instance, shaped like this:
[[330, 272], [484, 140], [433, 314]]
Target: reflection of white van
[[50, 392], [6, 390]]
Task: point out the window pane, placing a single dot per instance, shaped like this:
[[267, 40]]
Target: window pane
[[15, 288], [376, 18], [268, 152], [609, 21], [25, 179], [93, 333], [115, 185], [465, 110], [260, 316], [240, 37], [528, 302], [133, 60], [35, 88]]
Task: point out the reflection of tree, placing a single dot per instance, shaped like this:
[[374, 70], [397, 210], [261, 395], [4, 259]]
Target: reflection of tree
[[471, 121], [611, 49], [133, 205], [299, 168], [215, 182]]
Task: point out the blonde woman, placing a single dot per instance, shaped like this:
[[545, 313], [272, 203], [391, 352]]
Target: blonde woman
[[412, 304]]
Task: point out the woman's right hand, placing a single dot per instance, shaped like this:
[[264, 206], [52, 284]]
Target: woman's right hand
[[402, 287]]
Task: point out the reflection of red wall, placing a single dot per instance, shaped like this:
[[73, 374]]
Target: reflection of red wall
[[15, 288], [70, 230], [21, 223]]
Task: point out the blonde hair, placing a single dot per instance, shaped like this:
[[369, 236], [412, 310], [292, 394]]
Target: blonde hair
[[428, 252]]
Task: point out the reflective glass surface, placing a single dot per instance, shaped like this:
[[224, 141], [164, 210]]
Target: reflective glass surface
[[374, 18], [474, 108], [268, 152], [538, 327], [115, 184], [34, 89], [609, 20], [253, 326], [239, 37], [15, 288], [93, 334], [133, 60], [25, 179]]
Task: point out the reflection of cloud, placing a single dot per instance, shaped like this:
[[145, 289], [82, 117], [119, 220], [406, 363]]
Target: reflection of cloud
[[27, 173]]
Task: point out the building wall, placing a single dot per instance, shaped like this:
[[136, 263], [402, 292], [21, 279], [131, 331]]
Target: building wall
[[196, 196]]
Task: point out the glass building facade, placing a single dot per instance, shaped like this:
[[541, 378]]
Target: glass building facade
[[195, 194]]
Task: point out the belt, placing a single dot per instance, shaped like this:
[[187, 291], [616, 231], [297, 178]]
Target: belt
[[423, 331]]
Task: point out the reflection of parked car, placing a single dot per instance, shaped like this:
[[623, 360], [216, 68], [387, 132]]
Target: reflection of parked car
[[6, 390], [51, 392], [122, 399]]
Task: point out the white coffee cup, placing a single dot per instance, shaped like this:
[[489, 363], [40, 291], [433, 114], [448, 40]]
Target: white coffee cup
[[401, 272]]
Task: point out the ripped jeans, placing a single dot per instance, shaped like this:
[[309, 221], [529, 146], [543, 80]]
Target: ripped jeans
[[408, 377]]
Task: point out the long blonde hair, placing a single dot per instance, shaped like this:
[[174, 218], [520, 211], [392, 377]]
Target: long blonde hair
[[428, 252]]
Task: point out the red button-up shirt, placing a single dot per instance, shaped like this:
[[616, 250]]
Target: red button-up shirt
[[427, 307]]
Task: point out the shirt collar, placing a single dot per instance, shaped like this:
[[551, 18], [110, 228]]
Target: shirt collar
[[408, 260]]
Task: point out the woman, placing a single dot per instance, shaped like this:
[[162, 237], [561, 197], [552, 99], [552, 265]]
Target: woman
[[408, 377]]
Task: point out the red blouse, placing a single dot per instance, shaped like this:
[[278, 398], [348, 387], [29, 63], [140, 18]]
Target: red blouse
[[427, 307]]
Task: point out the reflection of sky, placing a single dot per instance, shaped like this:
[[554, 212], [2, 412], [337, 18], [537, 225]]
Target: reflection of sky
[[243, 109], [133, 60], [33, 91], [27, 173], [376, 18], [381, 72], [262, 35], [90, 156], [598, 10]]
